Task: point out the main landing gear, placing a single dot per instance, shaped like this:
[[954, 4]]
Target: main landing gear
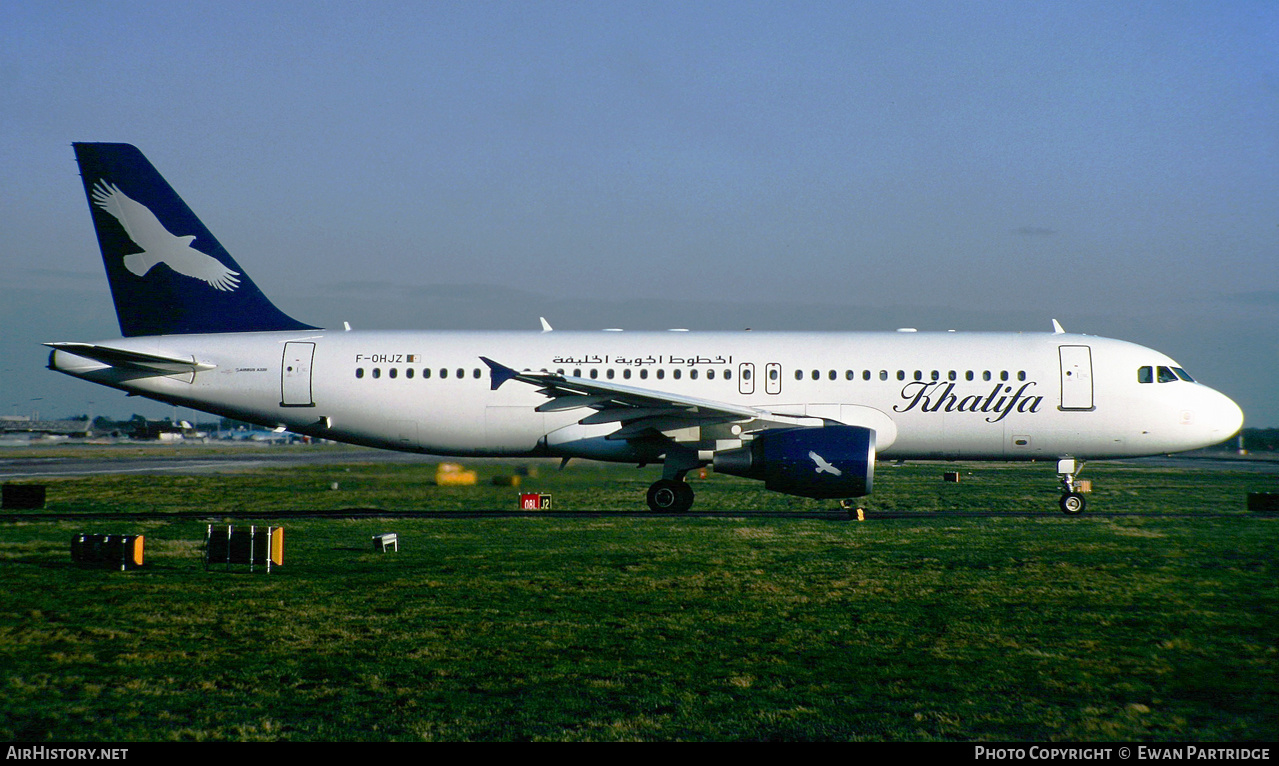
[[671, 494], [1072, 502]]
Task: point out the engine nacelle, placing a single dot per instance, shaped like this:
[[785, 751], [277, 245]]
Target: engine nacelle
[[827, 462]]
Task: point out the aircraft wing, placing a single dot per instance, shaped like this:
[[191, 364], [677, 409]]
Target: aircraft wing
[[640, 412], [118, 357]]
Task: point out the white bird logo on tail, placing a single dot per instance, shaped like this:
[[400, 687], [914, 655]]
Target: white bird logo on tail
[[823, 466], [158, 245]]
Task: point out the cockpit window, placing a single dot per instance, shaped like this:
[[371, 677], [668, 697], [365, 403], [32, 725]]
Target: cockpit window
[[1150, 374]]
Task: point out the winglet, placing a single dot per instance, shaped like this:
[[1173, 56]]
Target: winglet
[[546, 326], [498, 373], [1057, 330]]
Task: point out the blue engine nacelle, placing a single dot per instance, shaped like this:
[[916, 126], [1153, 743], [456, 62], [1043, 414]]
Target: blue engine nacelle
[[827, 462]]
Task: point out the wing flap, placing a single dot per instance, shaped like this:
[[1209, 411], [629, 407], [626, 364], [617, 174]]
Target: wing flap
[[629, 414], [570, 401]]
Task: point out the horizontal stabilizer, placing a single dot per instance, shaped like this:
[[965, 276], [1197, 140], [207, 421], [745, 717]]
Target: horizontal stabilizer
[[118, 357]]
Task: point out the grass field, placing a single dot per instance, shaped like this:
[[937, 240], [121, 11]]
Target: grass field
[[1159, 625]]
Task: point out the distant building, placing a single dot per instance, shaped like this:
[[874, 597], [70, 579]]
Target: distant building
[[22, 424]]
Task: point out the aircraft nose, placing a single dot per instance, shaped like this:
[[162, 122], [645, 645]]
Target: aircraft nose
[[1222, 416]]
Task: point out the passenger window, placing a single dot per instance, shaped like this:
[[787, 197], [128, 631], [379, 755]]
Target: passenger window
[[936, 375], [675, 373], [728, 375], [1021, 375], [426, 372], [461, 373], [865, 374], [883, 374], [609, 373], [831, 375], [643, 374], [901, 374], [774, 373], [444, 373], [661, 374], [1146, 374], [393, 373], [692, 374], [626, 374], [985, 375], [816, 375], [969, 375], [710, 374], [850, 375], [919, 375], [799, 374], [359, 372], [377, 372], [594, 374], [476, 373], [408, 373], [1003, 375]]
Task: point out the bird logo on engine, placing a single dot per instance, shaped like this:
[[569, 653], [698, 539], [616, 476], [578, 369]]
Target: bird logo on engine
[[823, 466]]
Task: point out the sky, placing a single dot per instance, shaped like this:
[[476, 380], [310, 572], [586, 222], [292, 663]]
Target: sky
[[710, 165]]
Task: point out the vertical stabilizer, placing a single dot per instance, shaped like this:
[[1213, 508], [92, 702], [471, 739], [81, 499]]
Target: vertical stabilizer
[[168, 274]]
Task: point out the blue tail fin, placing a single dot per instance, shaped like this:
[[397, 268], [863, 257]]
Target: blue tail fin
[[168, 274]]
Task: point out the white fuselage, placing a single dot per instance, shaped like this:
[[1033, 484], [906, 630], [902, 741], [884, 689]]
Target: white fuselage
[[1001, 396]]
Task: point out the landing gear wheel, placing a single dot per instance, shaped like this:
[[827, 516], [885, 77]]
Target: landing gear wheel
[[670, 496], [1072, 503]]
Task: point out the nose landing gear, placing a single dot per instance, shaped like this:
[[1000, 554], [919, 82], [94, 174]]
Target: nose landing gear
[[1072, 503]]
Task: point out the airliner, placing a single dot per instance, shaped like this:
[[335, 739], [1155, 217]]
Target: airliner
[[807, 413]]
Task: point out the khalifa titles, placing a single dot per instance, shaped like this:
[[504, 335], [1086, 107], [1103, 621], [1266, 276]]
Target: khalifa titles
[[940, 396]]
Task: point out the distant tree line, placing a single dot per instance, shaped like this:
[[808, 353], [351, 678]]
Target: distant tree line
[[1254, 440], [1258, 440], [139, 427]]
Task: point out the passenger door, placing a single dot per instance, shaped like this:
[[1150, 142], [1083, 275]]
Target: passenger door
[[1076, 377], [295, 375]]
